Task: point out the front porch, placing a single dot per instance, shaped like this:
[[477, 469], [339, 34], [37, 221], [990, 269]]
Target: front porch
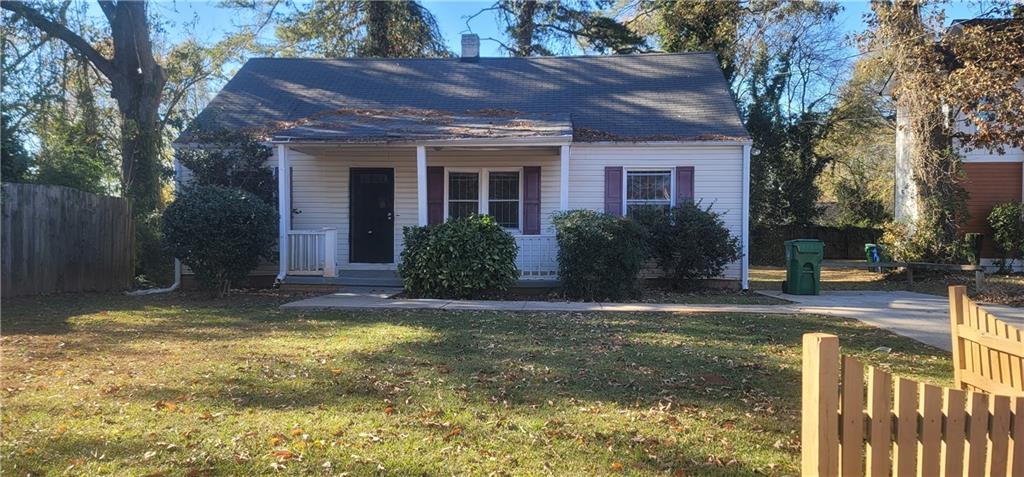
[[312, 260], [388, 279], [349, 204]]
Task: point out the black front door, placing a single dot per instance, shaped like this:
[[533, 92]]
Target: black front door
[[372, 209]]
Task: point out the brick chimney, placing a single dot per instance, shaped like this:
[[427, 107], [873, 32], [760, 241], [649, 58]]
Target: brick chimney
[[470, 47]]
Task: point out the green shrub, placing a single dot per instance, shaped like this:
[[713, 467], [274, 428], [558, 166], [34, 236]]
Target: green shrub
[[231, 159], [220, 233], [599, 255], [907, 245], [1007, 222], [690, 243], [460, 258]]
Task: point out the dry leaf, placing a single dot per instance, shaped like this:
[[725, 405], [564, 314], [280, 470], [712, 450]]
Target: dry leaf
[[616, 466], [283, 454]]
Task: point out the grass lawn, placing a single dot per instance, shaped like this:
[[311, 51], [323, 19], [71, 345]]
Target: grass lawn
[[1003, 289], [178, 385]]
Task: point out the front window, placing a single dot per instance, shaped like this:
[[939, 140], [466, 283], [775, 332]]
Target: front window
[[503, 198], [648, 189], [463, 194], [486, 192]]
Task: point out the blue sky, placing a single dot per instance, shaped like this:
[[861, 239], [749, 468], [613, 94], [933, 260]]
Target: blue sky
[[212, 22]]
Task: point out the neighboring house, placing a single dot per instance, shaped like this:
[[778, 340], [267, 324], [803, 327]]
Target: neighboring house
[[365, 147], [990, 178]]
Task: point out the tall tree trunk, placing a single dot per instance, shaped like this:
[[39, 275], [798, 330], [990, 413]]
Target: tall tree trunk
[[378, 34], [525, 25], [137, 83]]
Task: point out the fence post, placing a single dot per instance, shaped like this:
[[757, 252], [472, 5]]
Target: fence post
[[820, 413], [957, 295]]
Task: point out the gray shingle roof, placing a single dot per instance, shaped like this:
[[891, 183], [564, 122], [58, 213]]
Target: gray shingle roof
[[606, 98]]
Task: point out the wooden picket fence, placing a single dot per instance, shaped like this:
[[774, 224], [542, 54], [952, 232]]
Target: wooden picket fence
[[57, 239], [852, 428], [988, 354]]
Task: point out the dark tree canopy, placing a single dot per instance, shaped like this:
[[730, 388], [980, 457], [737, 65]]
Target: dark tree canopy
[[538, 28], [335, 29]]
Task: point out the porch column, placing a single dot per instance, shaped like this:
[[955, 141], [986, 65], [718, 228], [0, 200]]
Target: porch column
[[563, 179], [421, 184], [284, 208], [745, 217]]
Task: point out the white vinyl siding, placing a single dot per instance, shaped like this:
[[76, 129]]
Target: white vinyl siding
[[718, 176]]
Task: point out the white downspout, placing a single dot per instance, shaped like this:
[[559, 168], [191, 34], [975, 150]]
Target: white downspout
[[745, 226], [177, 263], [154, 291], [284, 208]]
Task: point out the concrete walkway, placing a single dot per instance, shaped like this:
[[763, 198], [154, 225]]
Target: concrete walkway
[[924, 318], [380, 298]]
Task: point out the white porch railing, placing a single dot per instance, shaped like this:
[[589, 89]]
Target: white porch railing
[[538, 257], [313, 252]]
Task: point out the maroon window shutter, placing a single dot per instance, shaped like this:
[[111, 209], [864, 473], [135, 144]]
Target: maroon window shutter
[[684, 184], [435, 195], [531, 200], [613, 190]]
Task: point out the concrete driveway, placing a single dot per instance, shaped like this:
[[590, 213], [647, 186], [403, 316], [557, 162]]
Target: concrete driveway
[[922, 317]]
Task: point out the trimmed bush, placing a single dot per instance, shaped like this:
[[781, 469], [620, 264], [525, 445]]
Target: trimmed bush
[[220, 233], [460, 258], [1007, 222], [599, 255], [690, 243]]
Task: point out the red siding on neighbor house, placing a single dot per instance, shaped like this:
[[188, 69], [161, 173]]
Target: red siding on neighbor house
[[989, 184]]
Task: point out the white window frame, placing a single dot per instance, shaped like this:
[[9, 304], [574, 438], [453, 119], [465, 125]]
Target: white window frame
[[484, 175], [625, 184]]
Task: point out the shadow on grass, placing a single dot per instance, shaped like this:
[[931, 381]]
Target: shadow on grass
[[719, 364]]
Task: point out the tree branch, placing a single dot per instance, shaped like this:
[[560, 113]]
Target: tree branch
[[57, 30], [109, 10]]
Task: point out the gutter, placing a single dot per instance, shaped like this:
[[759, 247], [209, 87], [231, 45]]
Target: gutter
[[156, 291]]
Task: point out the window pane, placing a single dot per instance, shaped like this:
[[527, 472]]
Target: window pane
[[503, 185], [505, 212], [463, 186], [649, 185], [462, 209]]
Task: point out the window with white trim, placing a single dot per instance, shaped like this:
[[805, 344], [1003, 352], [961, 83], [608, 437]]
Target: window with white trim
[[648, 188], [503, 198], [494, 192], [463, 194]]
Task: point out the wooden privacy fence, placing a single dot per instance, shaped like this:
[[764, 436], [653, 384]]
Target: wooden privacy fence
[[988, 354], [57, 239], [852, 428]]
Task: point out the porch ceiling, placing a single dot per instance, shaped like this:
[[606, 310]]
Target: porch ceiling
[[371, 126]]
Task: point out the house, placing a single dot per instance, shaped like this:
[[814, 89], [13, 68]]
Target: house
[[989, 177], [365, 147]]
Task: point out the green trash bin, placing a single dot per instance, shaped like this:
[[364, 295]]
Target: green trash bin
[[803, 267]]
